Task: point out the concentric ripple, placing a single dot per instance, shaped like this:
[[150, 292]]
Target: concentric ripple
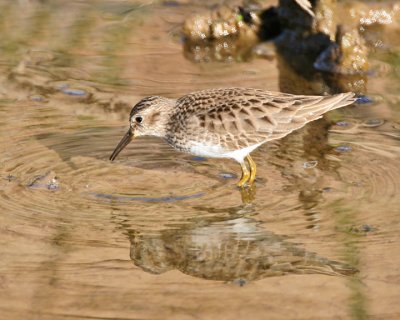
[[57, 168]]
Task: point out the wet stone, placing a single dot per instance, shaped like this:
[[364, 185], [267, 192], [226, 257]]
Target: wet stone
[[240, 282], [364, 100], [264, 51], [72, 89], [364, 228], [343, 149], [74, 92], [342, 124], [171, 3], [54, 184], [37, 57], [372, 123], [222, 22], [310, 164], [10, 178], [199, 159], [346, 56], [47, 181], [226, 176], [38, 98]]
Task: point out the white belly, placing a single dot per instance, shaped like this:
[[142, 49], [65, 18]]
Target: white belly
[[216, 151]]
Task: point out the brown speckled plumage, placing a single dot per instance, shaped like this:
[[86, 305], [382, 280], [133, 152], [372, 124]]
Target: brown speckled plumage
[[225, 122]]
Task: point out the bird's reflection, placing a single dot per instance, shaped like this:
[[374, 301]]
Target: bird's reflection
[[248, 194], [237, 249]]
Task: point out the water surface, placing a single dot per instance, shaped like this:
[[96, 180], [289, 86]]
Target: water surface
[[159, 234]]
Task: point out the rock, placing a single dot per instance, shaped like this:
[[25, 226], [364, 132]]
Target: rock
[[348, 55]]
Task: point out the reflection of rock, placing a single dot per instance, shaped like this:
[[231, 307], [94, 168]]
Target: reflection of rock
[[297, 76], [229, 250], [344, 83], [298, 67], [225, 50]]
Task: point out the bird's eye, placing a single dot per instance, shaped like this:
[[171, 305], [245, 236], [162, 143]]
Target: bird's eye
[[139, 119]]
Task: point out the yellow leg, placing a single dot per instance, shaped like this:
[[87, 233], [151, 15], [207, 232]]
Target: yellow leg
[[245, 175], [253, 169]]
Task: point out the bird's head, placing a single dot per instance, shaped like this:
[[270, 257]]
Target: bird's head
[[148, 117]]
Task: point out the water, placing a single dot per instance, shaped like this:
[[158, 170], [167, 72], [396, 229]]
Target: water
[[159, 234]]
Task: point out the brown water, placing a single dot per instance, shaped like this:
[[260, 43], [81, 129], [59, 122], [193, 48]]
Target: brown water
[[163, 235]]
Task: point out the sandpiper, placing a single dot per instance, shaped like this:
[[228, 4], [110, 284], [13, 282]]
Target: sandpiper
[[227, 123]]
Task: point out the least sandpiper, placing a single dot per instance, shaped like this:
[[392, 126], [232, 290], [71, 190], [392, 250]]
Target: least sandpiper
[[227, 123]]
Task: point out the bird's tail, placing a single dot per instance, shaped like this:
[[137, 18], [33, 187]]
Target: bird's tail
[[315, 108]]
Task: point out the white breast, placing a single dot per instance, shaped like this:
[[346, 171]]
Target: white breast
[[216, 151]]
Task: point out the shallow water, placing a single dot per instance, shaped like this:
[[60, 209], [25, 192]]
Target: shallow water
[[159, 234]]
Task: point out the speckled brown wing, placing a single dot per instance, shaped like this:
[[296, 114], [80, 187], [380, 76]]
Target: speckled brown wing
[[238, 117]]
